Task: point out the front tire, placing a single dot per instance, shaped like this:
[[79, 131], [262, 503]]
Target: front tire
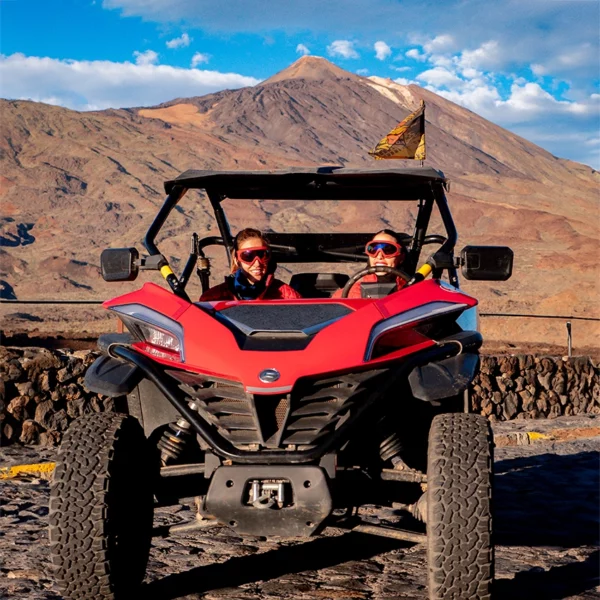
[[101, 508], [459, 514]]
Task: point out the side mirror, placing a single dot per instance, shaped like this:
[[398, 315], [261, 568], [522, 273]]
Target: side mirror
[[119, 264], [486, 263]]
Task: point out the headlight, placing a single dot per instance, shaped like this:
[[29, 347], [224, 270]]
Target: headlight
[[158, 334], [410, 317], [158, 337]]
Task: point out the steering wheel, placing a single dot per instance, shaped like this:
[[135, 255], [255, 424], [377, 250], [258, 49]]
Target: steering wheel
[[369, 271]]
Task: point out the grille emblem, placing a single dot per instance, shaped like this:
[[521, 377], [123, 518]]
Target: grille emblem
[[269, 375]]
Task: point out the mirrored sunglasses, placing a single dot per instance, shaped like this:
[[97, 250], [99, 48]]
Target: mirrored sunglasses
[[249, 255], [389, 249]]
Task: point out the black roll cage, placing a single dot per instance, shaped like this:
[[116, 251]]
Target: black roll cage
[[424, 185]]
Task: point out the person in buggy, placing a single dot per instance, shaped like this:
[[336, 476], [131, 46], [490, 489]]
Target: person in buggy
[[385, 249], [252, 271]]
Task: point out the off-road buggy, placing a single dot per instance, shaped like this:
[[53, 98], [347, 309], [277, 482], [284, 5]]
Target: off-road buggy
[[284, 417]]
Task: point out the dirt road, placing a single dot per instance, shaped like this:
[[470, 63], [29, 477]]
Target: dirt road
[[547, 520]]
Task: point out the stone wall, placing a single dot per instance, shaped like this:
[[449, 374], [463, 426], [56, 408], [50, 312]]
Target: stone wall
[[531, 387], [41, 391]]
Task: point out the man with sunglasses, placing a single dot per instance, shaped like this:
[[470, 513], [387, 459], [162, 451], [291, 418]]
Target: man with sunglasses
[[384, 249], [251, 275]]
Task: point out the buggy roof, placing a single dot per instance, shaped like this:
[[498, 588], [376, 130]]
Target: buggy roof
[[328, 182]]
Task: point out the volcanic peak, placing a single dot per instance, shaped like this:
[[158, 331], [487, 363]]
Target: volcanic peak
[[311, 67]]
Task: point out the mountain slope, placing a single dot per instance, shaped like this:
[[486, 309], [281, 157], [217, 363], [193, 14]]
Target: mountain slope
[[73, 183]]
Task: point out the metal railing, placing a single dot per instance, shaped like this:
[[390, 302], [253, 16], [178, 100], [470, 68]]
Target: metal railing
[[482, 314], [566, 318]]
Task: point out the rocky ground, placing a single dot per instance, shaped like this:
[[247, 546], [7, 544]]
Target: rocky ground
[[546, 523]]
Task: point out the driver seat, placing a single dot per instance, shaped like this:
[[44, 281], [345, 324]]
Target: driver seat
[[318, 285]]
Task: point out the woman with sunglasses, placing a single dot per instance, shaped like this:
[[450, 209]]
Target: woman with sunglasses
[[251, 275], [384, 249]]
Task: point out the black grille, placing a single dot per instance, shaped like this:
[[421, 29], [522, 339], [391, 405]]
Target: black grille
[[299, 420], [318, 407]]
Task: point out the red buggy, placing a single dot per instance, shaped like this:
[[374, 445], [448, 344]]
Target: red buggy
[[282, 418]]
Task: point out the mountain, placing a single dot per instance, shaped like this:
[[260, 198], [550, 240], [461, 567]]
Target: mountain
[[74, 183]]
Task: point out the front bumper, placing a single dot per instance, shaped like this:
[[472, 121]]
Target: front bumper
[[224, 448], [305, 499]]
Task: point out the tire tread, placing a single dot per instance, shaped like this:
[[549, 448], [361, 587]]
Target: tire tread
[[459, 517], [88, 498]]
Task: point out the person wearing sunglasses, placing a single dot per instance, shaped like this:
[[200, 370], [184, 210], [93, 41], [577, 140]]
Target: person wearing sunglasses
[[384, 249], [251, 275]]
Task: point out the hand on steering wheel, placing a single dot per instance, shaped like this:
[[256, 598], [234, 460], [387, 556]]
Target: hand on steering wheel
[[369, 271]]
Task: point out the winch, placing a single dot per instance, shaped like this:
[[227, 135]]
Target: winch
[[269, 499], [270, 493]]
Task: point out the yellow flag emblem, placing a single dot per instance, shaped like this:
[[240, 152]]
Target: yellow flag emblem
[[406, 140]]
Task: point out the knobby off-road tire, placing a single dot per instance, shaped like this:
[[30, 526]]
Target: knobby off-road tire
[[101, 508], [459, 517]]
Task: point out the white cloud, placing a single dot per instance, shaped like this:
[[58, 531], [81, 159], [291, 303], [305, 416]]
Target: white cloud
[[416, 55], [487, 56], [180, 42], [560, 33], [199, 58], [362, 72], [538, 70], [471, 73], [403, 81], [342, 48], [526, 103], [441, 60], [531, 98], [400, 69], [382, 50], [481, 99], [149, 57], [440, 43], [578, 63], [95, 85], [582, 54], [440, 77], [302, 49], [256, 16]]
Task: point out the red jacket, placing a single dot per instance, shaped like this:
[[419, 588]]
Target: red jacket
[[355, 290], [274, 290]]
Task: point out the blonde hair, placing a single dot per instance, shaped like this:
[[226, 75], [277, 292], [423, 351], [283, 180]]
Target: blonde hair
[[245, 234]]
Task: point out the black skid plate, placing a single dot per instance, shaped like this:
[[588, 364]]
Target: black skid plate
[[308, 500]]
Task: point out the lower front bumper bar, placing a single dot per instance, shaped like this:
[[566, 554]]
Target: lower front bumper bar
[[222, 447]]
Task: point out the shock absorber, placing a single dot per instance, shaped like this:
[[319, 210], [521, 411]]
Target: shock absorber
[[175, 438], [390, 447]]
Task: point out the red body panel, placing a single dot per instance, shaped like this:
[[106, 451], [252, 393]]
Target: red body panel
[[340, 347]]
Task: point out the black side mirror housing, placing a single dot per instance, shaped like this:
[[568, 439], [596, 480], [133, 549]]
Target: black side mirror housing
[[486, 263], [119, 264]]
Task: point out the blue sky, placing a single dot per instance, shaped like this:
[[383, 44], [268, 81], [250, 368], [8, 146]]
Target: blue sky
[[532, 66]]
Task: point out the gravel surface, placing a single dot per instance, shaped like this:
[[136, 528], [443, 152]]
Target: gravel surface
[[547, 519]]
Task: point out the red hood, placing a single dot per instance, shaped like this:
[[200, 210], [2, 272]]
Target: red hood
[[211, 348]]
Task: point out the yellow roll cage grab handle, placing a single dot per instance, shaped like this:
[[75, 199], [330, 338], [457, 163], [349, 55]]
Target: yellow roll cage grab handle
[[425, 270], [165, 271], [422, 273]]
